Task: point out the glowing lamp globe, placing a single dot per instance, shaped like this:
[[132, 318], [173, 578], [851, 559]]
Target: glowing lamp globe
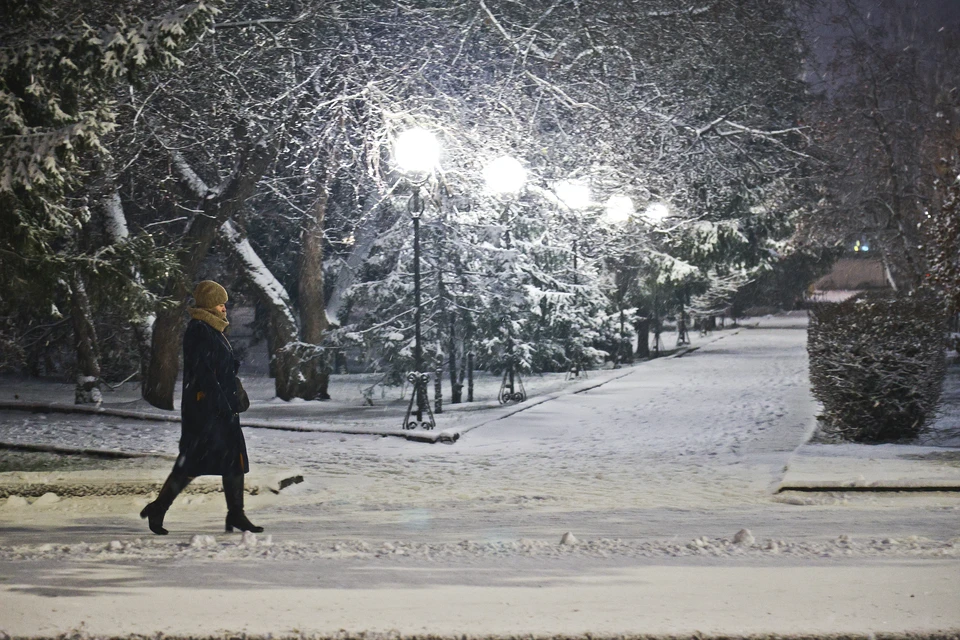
[[619, 209], [417, 151], [575, 195], [656, 212], [505, 175]]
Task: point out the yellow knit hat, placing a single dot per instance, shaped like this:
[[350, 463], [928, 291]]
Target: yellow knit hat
[[209, 294]]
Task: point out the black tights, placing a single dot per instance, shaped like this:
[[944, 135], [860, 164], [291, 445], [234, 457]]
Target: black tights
[[177, 482]]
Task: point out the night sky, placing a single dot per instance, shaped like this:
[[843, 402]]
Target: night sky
[[938, 19]]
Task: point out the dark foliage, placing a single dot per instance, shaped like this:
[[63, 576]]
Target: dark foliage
[[877, 365]]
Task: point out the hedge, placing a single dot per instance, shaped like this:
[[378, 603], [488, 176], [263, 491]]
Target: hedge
[[877, 364]]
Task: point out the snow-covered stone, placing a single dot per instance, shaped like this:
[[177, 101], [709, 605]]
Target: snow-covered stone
[[568, 539], [744, 538], [699, 543], [204, 542], [47, 498]]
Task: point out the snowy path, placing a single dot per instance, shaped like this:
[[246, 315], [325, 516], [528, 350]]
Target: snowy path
[[710, 430]]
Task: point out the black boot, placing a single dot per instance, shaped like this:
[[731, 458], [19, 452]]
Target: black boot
[[236, 518], [155, 511]]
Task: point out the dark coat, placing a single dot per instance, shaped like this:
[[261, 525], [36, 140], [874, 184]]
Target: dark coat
[[211, 442]]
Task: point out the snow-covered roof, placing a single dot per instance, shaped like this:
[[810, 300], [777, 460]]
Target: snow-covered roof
[[854, 275]]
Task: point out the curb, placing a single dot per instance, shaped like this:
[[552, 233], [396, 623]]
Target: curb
[[452, 435], [55, 407], [73, 451], [684, 351], [66, 484], [813, 487]]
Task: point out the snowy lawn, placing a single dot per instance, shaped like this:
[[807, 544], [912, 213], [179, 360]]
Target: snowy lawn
[[359, 403]]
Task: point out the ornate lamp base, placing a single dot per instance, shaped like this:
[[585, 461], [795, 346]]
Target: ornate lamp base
[[511, 388], [419, 397]]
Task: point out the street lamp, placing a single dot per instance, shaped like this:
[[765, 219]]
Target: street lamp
[[576, 196], [656, 212], [505, 177], [619, 210], [417, 152]]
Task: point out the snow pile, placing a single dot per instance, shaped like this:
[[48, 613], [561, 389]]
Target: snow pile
[[249, 546]]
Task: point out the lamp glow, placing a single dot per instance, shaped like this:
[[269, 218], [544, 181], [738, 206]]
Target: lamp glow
[[505, 175], [656, 212], [417, 151], [619, 209], [575, 195]]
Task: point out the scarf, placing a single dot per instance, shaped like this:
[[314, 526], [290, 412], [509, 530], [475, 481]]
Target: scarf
[[211, 316]]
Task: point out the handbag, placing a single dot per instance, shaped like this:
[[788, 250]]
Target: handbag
[[242, 398]]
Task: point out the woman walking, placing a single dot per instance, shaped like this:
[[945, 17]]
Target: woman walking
[[211, 442]]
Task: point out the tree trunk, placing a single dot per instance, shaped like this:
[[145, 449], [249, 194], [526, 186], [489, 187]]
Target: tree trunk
[[643, 337], [292, 361], [158, 388], [313, 313], [85, 338], [116, 230], [456, 381], [286, 357]]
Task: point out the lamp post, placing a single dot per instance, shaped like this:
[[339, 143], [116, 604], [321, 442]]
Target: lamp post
[[655, 214], [505, 177], [417, 152], [619, 210], [576, 196]]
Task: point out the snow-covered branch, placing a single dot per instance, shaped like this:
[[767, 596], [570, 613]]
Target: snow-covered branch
[[692, 11], [506, 36], [257, 273]]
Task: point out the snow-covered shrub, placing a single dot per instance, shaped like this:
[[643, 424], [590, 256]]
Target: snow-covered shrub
[[877, 365]]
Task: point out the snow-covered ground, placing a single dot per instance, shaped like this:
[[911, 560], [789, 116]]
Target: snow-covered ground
[[665, 478]]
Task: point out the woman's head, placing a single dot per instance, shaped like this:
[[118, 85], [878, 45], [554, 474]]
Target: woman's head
[[211, 296]]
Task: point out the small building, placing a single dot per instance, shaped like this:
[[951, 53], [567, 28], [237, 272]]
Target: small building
[[849, 277]]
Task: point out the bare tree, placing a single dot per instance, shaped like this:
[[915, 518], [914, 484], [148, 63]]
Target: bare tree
[[887, 113]]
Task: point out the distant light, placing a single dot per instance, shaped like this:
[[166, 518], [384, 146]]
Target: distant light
[[619, 209], [656, 212], [865, 247], [417, 151], [575, 195], [505, 175]]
